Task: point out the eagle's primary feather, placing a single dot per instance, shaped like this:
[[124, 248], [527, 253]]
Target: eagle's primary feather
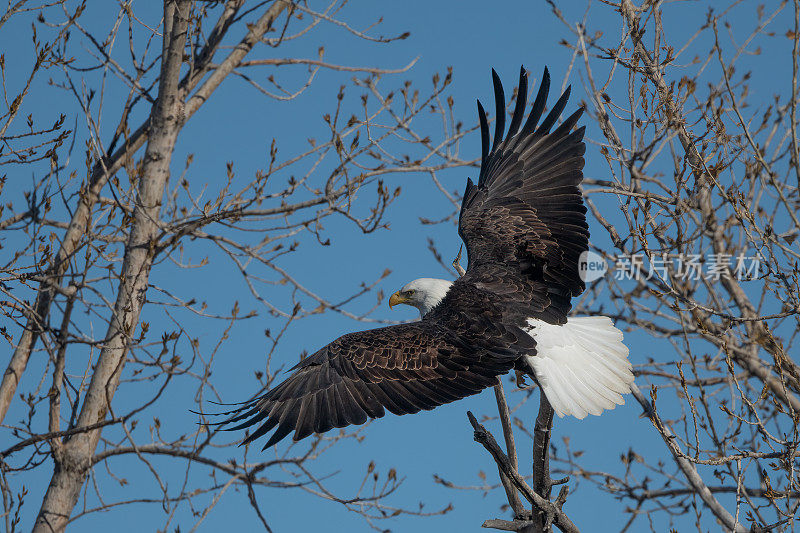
[[524, 226]]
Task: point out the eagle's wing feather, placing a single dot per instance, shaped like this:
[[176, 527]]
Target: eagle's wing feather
[[402, 369], [524, 223]]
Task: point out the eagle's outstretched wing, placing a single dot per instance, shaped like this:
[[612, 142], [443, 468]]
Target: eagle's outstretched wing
[[524, 223], [402, 369], [524, 226]]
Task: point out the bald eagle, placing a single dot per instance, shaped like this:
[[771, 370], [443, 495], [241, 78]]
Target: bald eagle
[[524, 227]]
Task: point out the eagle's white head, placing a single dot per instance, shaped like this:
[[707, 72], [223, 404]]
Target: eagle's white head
[[422, 293]]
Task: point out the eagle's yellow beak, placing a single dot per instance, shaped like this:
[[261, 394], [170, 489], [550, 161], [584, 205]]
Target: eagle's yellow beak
[[397, 298]]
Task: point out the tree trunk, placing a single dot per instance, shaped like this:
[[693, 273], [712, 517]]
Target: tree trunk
[[73, 459]]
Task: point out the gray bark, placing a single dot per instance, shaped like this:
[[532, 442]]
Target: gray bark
[[73, 459]]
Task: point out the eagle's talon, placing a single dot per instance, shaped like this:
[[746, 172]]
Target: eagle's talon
[[521, 379]]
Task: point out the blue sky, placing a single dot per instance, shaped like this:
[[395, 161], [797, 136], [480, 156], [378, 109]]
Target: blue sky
[[238, 125]]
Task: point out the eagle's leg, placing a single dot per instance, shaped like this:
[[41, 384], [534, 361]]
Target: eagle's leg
[[523, 369], [520, 379]]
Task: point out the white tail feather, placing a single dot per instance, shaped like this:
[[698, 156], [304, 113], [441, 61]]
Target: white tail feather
[[582, 366]]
